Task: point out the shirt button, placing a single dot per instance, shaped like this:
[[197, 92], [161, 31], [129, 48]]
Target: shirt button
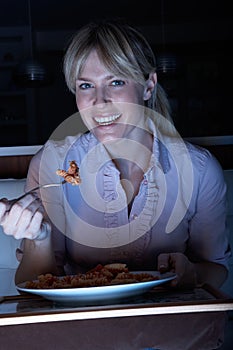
[[134, 216], [145, 182]]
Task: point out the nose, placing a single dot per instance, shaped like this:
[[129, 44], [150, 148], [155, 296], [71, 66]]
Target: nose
[[101, 95]]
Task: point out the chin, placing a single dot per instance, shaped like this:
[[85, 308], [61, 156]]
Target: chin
[[108, 133], [106, 138]]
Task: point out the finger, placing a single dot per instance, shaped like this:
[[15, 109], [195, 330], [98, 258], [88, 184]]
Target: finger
[[2, 210], [18, 228], [26, 221], [178, 264], [39, 228], [163, 262], [4, 205], [18, 208], [34, 229]]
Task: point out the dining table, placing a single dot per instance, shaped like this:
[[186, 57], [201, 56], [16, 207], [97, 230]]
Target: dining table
[[161, 318]]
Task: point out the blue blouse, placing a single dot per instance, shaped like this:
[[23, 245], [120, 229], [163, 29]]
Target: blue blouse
[[180, 206]]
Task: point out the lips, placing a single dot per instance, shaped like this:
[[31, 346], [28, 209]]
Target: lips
[[107, 120]]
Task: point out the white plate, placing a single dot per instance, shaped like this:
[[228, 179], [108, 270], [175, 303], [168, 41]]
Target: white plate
[[99, 295]]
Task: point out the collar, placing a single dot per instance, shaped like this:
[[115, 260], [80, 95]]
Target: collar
[[97, 154]]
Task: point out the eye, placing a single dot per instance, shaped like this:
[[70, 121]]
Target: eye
[[85, 86], [117, 83]]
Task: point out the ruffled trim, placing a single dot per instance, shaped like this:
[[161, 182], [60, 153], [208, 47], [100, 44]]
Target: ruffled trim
[[111, 217], [138, 230], [141, 226]]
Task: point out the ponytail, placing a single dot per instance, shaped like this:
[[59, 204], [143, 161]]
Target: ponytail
[[162, 105]]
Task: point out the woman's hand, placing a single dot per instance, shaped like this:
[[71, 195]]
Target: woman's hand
[[181, 266], [24, 218]]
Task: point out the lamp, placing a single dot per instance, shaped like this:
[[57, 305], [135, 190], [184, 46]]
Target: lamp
[[31, 73], [166, 61]]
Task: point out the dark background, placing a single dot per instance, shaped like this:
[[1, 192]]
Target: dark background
[[198, 33]]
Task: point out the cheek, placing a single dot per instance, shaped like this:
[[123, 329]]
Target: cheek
[[136, 95], [84, 99], [80, 102]]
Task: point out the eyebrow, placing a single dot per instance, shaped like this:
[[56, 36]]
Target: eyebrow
[[108, 77]]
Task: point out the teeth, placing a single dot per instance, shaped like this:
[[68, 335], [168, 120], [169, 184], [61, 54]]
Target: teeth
[[107, 120]]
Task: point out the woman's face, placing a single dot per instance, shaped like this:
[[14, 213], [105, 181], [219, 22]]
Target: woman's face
[[110, 105]]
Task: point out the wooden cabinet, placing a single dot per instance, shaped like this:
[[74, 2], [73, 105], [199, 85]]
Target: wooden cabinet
[[17, 107]]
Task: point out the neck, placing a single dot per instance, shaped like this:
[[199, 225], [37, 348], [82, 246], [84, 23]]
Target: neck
[[128, 153], [132, 160]]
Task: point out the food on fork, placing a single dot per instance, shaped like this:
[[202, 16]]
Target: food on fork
[[72, 174], [100, 275]]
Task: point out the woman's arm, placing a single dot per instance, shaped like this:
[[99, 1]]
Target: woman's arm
[[27, 219], [189, 273], [211, 273], [45, 253], [206, 257], [37, 258]]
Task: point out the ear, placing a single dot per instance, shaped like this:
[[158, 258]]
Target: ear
[[150, 86]]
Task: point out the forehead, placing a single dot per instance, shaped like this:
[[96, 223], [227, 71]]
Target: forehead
[[94, 63], [92, 58]]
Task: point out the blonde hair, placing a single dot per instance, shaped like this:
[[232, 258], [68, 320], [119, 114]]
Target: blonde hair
[[123, 49]]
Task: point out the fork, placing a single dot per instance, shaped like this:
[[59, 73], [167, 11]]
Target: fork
[[35, 189]]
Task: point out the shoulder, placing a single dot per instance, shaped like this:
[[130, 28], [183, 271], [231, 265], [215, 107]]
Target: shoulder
[[54, 152], [60, 148], [202, 158], [207, 169], [195, 162]]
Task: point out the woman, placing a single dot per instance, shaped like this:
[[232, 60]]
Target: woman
[[147, 198]]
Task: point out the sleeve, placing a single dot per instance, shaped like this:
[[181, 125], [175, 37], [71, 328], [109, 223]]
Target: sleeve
[[209, 236], [33, 174]]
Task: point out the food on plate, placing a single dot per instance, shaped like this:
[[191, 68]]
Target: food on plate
[[72, 174], [114, 268], [101, 275]]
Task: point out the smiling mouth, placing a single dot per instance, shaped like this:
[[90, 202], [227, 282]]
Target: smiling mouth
[[107, 120]]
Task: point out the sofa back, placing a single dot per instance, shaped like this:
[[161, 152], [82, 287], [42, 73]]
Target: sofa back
[[228, 174], [14, 162], [9, 188]]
